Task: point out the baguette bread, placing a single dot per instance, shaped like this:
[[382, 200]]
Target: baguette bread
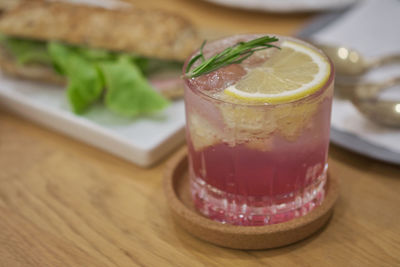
[[149, 33], [8, 4]]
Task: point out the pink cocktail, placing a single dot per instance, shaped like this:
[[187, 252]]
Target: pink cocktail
[[255, 163]]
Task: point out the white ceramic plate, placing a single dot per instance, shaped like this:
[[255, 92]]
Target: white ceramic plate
[[349, 128], [285, 6], [143, 141]]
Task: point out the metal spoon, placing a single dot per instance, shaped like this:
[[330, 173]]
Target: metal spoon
[[364, 90], [384, 112], [349, 62], [380, 111]]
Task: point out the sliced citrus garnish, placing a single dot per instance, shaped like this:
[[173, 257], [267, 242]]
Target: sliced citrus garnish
[[291, 73]]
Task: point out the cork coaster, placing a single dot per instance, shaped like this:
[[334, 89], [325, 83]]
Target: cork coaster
[[176, 187]]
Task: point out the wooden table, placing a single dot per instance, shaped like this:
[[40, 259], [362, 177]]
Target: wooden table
[[63, 203]]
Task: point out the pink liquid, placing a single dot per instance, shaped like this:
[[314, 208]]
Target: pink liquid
[[244, 186], [243, 171], [252, 173]]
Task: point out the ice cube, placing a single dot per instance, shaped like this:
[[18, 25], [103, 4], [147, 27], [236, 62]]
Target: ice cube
[[219, 79]]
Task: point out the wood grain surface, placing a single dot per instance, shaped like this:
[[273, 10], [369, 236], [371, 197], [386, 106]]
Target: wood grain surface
[[63, 203]]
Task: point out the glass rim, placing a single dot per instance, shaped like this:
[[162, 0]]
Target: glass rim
[[315, 94]]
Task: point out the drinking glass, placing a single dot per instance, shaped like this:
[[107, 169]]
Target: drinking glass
[[255, 164]]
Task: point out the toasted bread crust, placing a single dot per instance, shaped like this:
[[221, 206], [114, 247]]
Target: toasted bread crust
[[8, 4], [151, 33]]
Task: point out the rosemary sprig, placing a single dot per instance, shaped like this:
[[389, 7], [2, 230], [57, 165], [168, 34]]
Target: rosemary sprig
[[231, 55]]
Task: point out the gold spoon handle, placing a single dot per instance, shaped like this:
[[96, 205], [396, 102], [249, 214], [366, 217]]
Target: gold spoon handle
[[382, 112], [385, 60], [372, 90], [391, 82]]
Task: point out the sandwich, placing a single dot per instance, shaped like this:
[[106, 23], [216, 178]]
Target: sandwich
[[8, 4], [123, 57]]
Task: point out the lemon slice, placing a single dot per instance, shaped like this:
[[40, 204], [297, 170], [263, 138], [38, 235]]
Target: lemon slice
[[291, 73]]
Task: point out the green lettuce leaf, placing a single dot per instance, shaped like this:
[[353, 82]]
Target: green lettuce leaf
[[27, 51], [90, 70], [85, 82], [128, 92], [93, 54]]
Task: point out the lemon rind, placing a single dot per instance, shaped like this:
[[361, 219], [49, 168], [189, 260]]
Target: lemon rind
[[319, 79]]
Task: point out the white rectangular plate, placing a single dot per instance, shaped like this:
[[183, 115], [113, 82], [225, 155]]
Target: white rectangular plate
[[143, 140]]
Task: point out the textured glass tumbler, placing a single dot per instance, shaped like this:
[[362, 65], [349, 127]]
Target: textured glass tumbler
[[252, 164]]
